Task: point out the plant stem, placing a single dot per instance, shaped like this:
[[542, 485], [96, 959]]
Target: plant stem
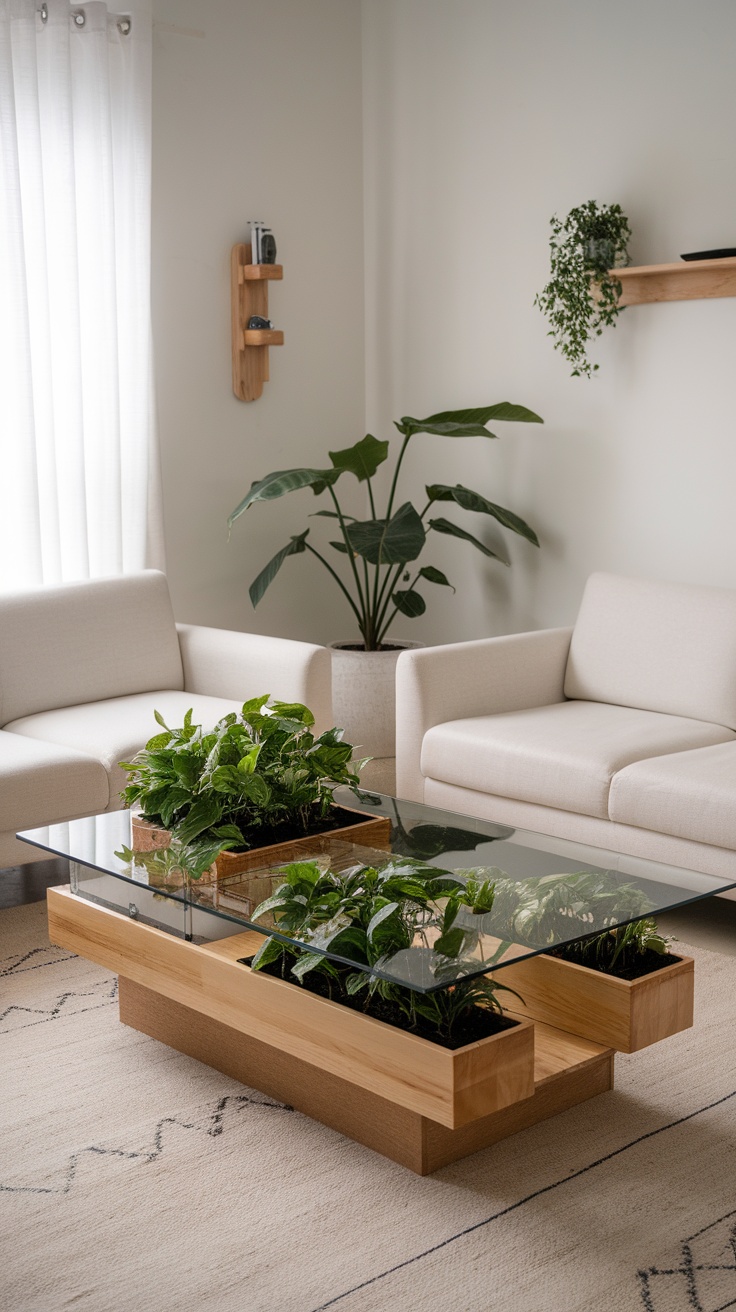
[[339, 583], [353, 566], [389, 621], [395, 479]]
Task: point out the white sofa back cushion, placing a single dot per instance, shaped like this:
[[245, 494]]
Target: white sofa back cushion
[[667, 647], [84, 642]]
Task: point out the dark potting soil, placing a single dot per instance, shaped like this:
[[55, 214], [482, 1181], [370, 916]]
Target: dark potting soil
[[479, 1023], [645, 963], [336, 818]]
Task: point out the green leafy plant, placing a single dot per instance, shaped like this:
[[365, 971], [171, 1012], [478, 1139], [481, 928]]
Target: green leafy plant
[[368, 917], [581, 298], [619, 951], [235, 787], [378, 550]]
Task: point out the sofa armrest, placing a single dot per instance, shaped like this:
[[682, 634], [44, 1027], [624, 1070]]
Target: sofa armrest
[[464, 679], [227, 663]]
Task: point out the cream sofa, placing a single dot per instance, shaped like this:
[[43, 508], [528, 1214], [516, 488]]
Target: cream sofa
[[82, 669], [619, 732]]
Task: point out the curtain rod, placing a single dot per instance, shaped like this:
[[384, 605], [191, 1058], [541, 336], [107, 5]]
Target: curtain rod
[[124, 22]]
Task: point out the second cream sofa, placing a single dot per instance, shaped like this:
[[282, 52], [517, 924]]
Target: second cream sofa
[[619, 732]]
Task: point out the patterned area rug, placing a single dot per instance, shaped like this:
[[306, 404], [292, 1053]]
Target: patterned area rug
[[133, 1178]]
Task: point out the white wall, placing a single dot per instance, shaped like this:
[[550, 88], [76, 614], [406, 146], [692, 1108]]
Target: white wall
[[482, 118], [257, 113]]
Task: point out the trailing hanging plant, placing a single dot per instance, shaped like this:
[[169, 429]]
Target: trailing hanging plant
[[581, 298], [379, 550]]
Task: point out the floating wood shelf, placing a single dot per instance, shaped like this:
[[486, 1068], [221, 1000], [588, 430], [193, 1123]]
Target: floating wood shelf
[[249, 296], [688, 280], [262, 337]]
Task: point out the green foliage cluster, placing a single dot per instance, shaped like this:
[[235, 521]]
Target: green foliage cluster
[[540, 912], [585, 250], [379, 549], [367, 916], [254, 772], [618, 951]]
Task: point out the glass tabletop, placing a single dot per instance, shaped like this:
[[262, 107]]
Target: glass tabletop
[[426, 899]]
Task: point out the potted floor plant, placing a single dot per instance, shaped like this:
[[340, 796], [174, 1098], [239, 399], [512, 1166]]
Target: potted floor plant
[[330, 927], [240, 794], [375, 562], [620, 985], [581, 297]]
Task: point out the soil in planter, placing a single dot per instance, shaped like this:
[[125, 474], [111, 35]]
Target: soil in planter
[[479, 1023], [644, 963], [261, 836]]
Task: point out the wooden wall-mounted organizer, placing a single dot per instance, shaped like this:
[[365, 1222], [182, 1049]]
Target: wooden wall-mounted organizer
[[249, 284]]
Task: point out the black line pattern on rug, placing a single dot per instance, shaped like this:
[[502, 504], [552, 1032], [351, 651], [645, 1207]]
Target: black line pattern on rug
[[213, 1126], [60, 1006], [19, 962], [513, 1207], [686, 1273]]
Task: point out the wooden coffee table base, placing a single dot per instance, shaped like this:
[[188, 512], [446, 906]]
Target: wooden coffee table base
[[370, 1082], [567, 1071]]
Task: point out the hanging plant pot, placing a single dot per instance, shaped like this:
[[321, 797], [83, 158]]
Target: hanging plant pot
[[364, 695]]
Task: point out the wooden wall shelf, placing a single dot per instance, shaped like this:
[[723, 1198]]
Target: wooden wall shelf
[[688, 280], [249, 295]]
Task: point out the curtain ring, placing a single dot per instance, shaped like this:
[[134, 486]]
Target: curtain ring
[[124, 26], [79, 17]]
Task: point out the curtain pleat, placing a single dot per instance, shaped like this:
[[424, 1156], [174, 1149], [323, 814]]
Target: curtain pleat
[[79, 496]]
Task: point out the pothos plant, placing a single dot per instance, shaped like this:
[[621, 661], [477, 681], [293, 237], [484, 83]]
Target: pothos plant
[[582, 295], [379, 550], [338, 927], [236, 786]]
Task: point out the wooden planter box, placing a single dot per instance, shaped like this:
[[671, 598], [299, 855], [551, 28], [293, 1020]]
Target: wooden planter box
[[373, 832], [451, 1088], [623, 1014]]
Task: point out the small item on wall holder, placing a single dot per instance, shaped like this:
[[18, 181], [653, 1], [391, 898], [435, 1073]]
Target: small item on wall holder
[[268, 247], [723, 253], [262, 243], [258, 321]]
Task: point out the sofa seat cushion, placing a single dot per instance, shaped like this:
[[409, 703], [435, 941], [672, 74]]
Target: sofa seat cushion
[[41, 783], [563, 755], [114, 730], [689, 795]]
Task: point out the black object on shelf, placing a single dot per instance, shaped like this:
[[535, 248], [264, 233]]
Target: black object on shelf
[[722, 254]]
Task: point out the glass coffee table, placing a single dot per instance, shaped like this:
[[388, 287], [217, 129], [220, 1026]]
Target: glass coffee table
[[181, 945]]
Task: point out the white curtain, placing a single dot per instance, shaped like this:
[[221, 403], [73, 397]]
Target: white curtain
[[79, 491]]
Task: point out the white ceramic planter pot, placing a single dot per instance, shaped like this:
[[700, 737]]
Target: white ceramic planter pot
[[364, 696]]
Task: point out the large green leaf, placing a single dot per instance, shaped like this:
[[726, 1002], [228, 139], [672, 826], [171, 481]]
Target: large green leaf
[[504, 410], [467, 423], [410, 603], [283, 481], [362, 459], [452, 531], [463, 496], [267, 575], [433, 575], [391, 542]]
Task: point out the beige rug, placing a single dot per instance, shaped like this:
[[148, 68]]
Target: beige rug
[[132, 1178]]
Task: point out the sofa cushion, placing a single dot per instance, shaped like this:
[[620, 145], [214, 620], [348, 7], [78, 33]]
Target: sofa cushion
[[657, 646], [83, 642], [689, 795], [41, 783], [113, 731], [562, 755]]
